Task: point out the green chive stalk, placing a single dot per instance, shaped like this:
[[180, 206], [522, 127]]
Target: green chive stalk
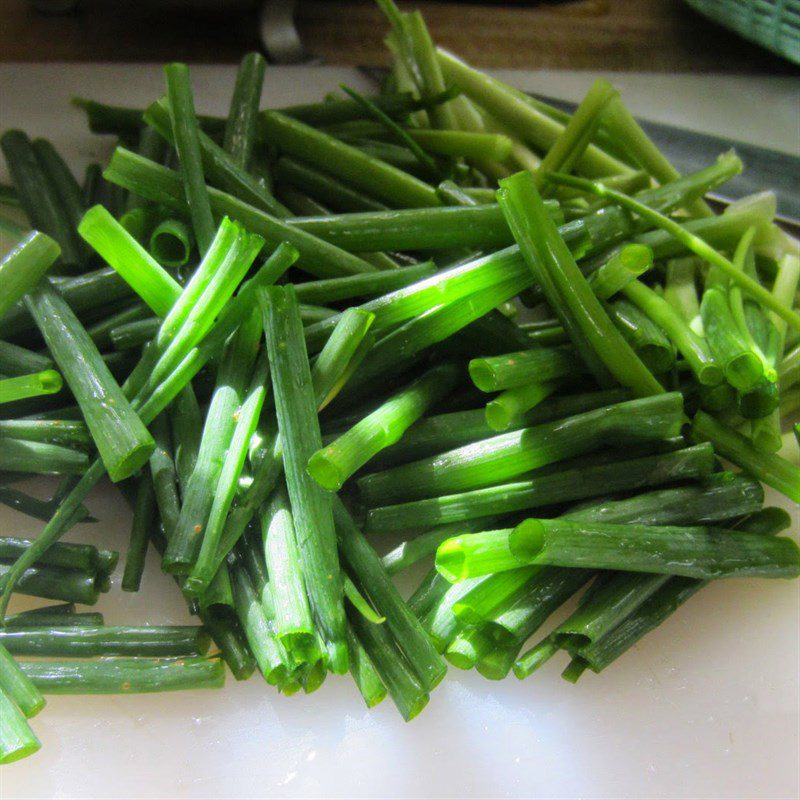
[[694, 552], [17, 688], [35, 385], [599, 342], [24, 266], [17, 740], [295, 405], [491, 461]]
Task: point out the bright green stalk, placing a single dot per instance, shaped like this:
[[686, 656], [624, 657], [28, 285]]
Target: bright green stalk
[[468, 648], [163, 185], [509, 407], [558, 487], [187, 143], [333, 290], [332, 465], [24, 266], [624, 266], [171, 243], [363, 671], [246, 418], [512, 370], [691, 346], [694, 552], [476, 554], [445, 431], [691, 241], [299, 428], [17, 687], [141, 272], [490, 461], [680, 290], [293, 623], [767, 467], [221, 421], [23, 386], [17, 740], [581, 313], [126, 675]]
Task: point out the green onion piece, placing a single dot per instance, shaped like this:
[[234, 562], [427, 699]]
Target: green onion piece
[[163, 185], [334, 290], [445, 431], [572, 142], [680, 290], [241, 127], [476, 554], [121, 438], [373, 579], [332, 465], [509, 407], [17, 688], [348, 163], [401, 683], [171, 243], [477, 226], [466, 144], [39, 197], [125, 675], [73, 641], [23, 386], [53, 583], [558, 487], [364, 673], [631, 261], [48, 616], [741, 365], [65, 555], [691, 346], [520, 114], [299, 428], [187, 143], [534, 658], [767, 467], [335, 195], [468, 648], [661, 604], [17, 740], [221, 421], [144, 517], [292, 624], [246, 419], [339, 351], [440, 622], [690, 240], [24, 266], [18, 455], [694, 552], [16, 360], [145, 276], [493, 460], [512, 370], [647, 339], [598, 341]]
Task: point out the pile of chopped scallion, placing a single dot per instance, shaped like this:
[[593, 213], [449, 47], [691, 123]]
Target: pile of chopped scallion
[[286, 333]]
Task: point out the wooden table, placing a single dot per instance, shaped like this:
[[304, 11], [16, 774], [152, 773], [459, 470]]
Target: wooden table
[[657, 35]]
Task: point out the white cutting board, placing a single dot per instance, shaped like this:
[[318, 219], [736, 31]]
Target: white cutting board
[[705, 707]]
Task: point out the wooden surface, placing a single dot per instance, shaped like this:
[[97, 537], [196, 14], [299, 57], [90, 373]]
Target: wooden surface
[[642, 35]]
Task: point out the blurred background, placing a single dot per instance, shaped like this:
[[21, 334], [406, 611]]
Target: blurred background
[[619, 35]]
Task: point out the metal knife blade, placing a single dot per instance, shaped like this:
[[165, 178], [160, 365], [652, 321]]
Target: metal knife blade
[[691, 150]]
